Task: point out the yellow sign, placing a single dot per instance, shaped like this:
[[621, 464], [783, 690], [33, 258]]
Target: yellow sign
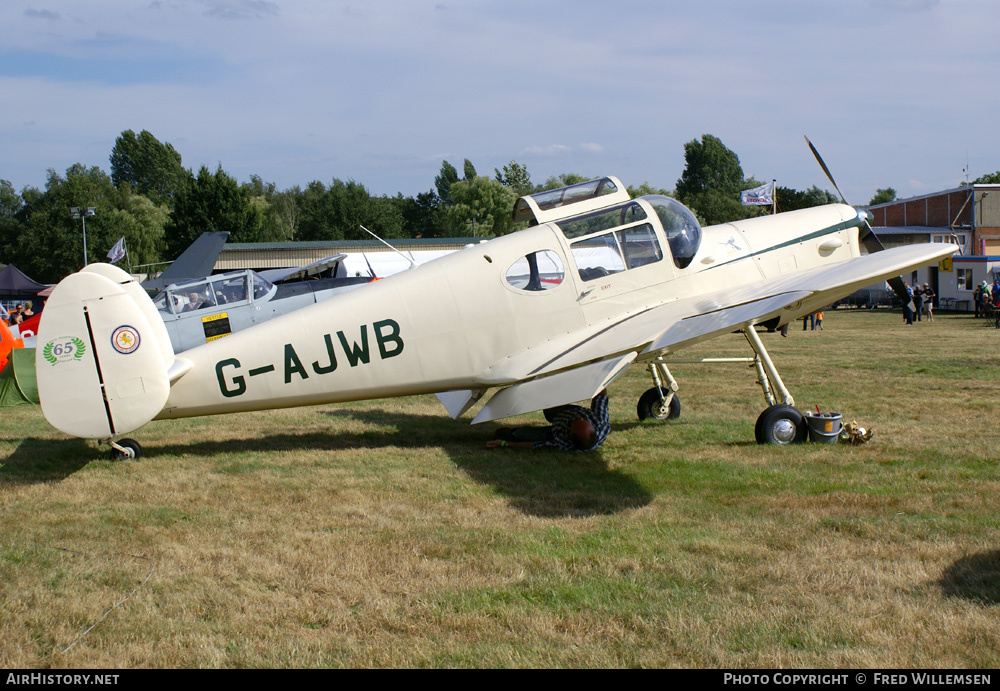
[[216, 326], [945, 264]]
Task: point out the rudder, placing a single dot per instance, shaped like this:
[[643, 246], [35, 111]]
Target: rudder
[[100, 362]]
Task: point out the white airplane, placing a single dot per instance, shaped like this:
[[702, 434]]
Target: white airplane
[[542, 317]]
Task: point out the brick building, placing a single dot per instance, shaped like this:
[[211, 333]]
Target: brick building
[[971, 214]]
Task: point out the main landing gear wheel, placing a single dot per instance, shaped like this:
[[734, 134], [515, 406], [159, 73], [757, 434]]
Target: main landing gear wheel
[[126, 450], [651, 405], [781, 424]]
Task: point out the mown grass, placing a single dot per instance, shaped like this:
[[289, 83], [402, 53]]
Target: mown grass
[[385, 534]]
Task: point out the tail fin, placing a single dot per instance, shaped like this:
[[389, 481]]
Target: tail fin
[[103, 355], [196, 261]]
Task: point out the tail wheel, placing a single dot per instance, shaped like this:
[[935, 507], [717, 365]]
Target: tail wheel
[[781, 424], [651, 404], [129, 451]]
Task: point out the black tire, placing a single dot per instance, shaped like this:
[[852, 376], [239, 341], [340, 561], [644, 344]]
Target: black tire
[[651, 406], [780, 425], [133, 450]]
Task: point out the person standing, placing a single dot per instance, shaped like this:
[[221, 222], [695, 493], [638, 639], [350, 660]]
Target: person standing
[[907, 312], [929, 296], [918, 300]]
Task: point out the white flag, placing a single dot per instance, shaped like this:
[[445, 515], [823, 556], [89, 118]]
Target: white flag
[[117, 252], [758, 196]]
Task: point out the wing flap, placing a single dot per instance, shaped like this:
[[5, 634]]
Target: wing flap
[[579, 384]]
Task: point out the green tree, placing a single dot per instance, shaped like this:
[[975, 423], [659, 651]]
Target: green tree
[[515, 176], [882, 196], [147, 166], [791, 199], [645, 188], [422, 215], [564, 180], [277, 210], [212, 202], [468, 170], [987, 179], [51, 244], [338, 212], [11, 226], [443, 182], [712, 181], [481, 207]]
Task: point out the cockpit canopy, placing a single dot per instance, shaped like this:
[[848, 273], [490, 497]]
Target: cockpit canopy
[[620, 237], [682, 228], [212, 292], [590, 208], [551, 205]]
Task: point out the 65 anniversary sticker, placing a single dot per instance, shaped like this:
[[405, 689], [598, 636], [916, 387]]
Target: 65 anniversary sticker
[[65, 349]]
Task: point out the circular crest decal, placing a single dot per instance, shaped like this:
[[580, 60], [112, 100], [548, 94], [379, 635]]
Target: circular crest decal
[[125, 340]]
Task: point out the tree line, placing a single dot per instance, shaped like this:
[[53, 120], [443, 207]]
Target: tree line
[[160, 207]]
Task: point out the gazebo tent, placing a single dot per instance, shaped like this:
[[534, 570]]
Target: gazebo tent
[[14, 285]]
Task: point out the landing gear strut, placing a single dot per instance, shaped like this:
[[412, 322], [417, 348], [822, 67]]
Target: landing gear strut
[[781, 422], [661, 401]]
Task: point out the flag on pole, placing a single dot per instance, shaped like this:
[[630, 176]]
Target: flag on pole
[[758, 196], [117, 252]]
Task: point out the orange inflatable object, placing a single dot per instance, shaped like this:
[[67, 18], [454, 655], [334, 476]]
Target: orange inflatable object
[[7, 343]]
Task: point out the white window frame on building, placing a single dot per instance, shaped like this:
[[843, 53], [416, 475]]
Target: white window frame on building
[[964, 280], [962, 239]]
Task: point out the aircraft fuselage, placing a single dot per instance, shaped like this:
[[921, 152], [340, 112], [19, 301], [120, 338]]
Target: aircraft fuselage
[[472, 319]]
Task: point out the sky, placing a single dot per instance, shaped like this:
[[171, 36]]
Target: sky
[[893, 93]]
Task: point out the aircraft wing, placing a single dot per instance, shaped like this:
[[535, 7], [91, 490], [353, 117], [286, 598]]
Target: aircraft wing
[[300, 273], [683, 322]]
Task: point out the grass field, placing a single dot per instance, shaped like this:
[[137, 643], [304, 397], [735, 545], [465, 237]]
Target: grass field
[[385, 534]]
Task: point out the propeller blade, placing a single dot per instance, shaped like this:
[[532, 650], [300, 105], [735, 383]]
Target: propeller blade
[[900, 290], [870, 240], [867, 236], [819, 159]]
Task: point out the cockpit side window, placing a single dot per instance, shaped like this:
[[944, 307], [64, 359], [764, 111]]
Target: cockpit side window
[[536, 272], [261, 287], [598, 256], [231, 290], [639, 245], [198, 297]]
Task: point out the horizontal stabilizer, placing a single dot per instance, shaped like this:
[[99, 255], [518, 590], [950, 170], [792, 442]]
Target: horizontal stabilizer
[[580, 384], [101, 370]]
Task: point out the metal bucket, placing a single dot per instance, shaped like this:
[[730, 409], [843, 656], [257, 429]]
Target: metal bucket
[[825, 427]]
